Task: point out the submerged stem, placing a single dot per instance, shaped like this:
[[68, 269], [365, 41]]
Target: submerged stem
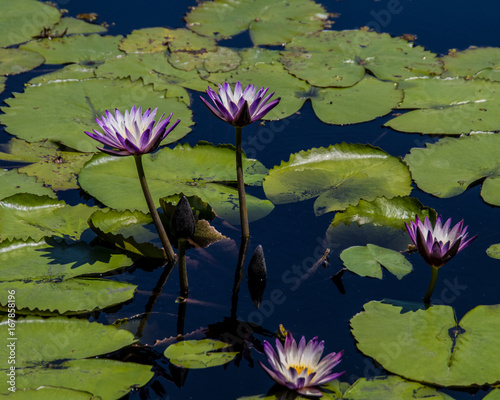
[[432, 284], [167, 247], [245, 231], [183, 279]]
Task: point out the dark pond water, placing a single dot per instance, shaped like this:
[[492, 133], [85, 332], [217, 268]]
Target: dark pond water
[[291, 235]]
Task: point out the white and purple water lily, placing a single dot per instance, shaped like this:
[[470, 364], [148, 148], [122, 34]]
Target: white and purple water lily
[[242, 107], [439, 244], [299, 367], [133, 133]]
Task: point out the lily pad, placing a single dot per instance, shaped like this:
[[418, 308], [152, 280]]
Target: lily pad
[[448, 106], [203, 170], [369, 260], [2, 83], [493, 395], [384, 212], [197, 354], [42, 274], [391, 388], [341, 58], [339, 176], [477, 62], [126, 230], [74, 25], [52, 168], [86, 50], [23, 19], [146, 40], [270, 23], [52, 393], [494, 251], [153, 69], [71, 72], [220, 60], [447, 168], [15, 61], [430, 345], [63, 111], [12, 182], [26, 216], [53, 353]]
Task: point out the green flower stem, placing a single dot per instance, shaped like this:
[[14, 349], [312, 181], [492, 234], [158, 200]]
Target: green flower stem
[[167, 247], [432, 284], [245, 231], [183, 278]]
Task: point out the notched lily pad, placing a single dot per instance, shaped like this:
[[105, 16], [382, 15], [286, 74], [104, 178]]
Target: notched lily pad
[[429, 345], [339, 176], [270, 23], [86, 50], [448, 106], [369, 260], [12, 182], [63, 111], [197, 354], [71, 26], [220, 60], [15, 61], [475, 62], [448, 167], [341, 58]]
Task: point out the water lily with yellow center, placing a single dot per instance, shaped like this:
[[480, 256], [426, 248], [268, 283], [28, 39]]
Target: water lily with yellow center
[[299, 367]]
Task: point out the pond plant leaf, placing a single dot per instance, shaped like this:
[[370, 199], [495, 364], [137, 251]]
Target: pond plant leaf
[[197, 354], [153, 69], [71, 72], [448, 106], [384, 212], [203, 170], [368, 261], [339, 176], [221, 60], [493, 395], [126, 230], [391, 387], [14, 28], [52, 393], [61, 112], [15, 61], [59, 352], [474, 62], [448, 167], [341, 58], [2, 83], [494, 251], [270, 23], [42, 274], [75, 26], [146, 40], [13, 182], [26, 216], [81, 49], [429, 345]]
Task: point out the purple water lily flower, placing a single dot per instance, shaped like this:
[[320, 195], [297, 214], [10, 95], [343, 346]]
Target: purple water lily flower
[[299, 367], [438, 244], [240, 108], [133, 133]]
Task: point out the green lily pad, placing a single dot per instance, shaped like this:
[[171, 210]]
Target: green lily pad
[[494, 251], [51, 352], [449, 106], [74, 25], [493, 395], [12, 182], [71, 72], [341, 58], [15, 61], [220, 60], [430, 346], [146, 40], [270, 23], [153, 69], [63, 111], [51, 168], [447, 168], [391, 388], [26, 216], [203, 170], [51, 393], [42, 274], [196, 354], [477, 62], [339, 176], [2, 83], [183, 39], [369, 260], [126, 230], [85, 50], [14, 25], [384, 212]]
